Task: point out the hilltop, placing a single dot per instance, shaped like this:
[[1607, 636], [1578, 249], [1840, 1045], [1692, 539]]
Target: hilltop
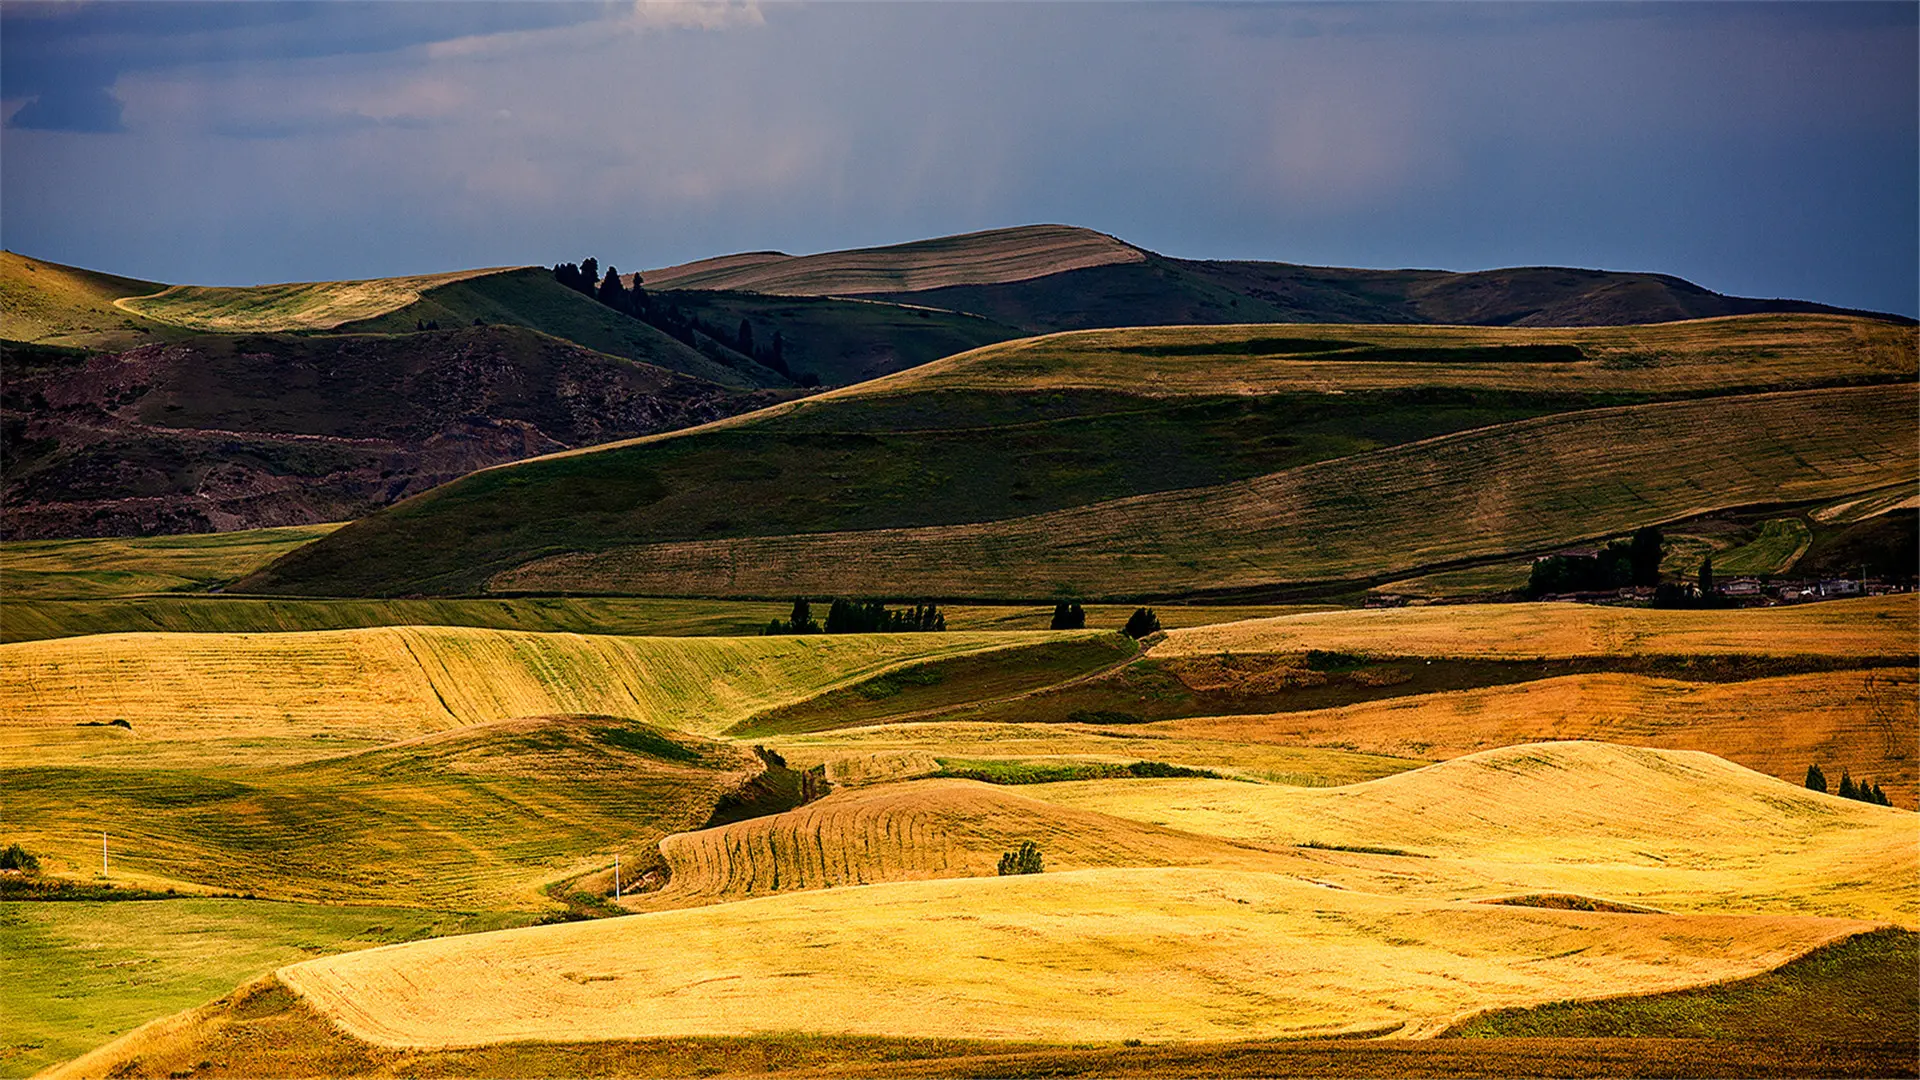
[[1163, 462]]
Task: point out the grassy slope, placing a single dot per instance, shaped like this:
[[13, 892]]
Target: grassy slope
[[997, 255], [1675, 830], [1778, 351], [118, 566], [309, 305], [51, 304], [1092, 954], [476, 819], [530, 297], [926, 448], [1862, 628], [1514, 488], [1861, 721], [76, 974]]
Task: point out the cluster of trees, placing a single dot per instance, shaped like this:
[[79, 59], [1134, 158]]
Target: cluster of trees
[[1862, 791], [1025, 859], [1071, 616], [586, 279], [1619, 564], [855, 617]]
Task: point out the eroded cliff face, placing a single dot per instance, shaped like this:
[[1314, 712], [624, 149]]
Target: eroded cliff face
[[224, 432]]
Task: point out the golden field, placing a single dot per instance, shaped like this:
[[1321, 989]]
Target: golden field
[[1675, 830], [1510, 488], [1092, 954], [1878, 626], [185, 693], [118, 566], [1862, 721]]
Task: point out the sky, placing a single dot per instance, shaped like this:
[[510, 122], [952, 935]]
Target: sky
[[1758, 149]]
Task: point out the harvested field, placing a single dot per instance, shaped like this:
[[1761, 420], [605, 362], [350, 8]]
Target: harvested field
[[1675, 830], [1748, 351], [1511, 488], [1883, 626], [1092, 954], [1860, 721], [270, 696], [313, 305], [982, 258], [918, 830]]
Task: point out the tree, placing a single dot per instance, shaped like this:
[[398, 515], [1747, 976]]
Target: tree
[[1643, 554], [612, 293], [778, 361], [743, 338], [1141, 623], [1816, 780], [801, 621], [1706, 577], [15, 857], [1068, 617], [1023, 860], [589, 274], [1847, 790]]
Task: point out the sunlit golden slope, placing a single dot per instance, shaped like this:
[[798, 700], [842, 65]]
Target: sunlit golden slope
[[308, 305], [1863, 722], [920, 829], [179, 691], [1673, 829], [1867, 627], [1180, 953]]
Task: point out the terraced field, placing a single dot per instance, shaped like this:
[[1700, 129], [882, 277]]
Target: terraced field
[[991, 257], [1081, 955], [1674, 830], [1479, 494]]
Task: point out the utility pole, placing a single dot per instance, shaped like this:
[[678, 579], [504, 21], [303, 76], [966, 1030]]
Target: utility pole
[[616, 875], [103, 853]]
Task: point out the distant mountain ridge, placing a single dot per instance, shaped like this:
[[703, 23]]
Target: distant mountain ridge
[[1044, 278]]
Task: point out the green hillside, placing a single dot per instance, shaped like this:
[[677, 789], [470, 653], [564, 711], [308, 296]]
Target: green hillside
[[46, 303], [1041, 436]]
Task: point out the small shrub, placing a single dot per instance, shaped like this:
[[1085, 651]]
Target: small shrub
[[1025, 859], [15, 857], [1141, 623]]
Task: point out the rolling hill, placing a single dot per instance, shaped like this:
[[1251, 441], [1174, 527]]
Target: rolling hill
[[65, 307], [1054, 277], [1152, 461]]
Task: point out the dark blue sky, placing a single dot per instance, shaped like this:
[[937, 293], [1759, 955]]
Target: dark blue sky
[[1759, 149]]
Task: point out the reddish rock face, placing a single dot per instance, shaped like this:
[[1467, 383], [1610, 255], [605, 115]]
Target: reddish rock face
[[218, 433]]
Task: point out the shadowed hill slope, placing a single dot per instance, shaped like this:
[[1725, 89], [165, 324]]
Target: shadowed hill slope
[[994, 440]]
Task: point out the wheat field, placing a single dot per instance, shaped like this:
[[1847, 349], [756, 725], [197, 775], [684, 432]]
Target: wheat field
[[1879, 626], [266, 697], [1675, 830], [1155, 954]]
